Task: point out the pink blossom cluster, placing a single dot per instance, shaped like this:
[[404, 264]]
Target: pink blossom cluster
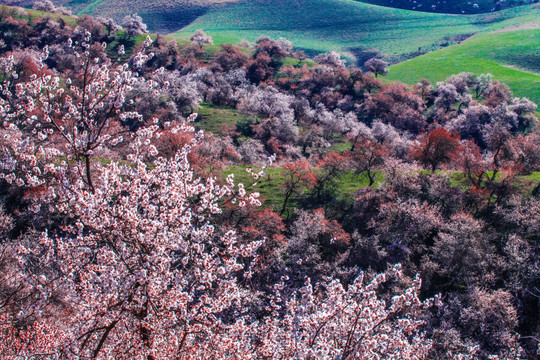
[[137, 270]]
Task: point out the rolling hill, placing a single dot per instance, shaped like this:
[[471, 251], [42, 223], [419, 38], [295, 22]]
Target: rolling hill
[[452, 7], [349, 26], [351, 19], [511, 55], [163, 16], [359, 30]]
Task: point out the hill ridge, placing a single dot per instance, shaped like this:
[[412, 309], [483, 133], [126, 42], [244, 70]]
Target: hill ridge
[[350, 25], [515, 61]]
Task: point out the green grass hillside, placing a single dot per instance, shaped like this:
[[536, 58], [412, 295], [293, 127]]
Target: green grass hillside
[[512, 56], [452, 7], [161, 15], [358, 29], [348, 26], [32, 15]]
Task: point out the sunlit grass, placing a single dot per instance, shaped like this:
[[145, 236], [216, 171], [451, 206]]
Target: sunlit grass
[[512, 57], [326, 25]]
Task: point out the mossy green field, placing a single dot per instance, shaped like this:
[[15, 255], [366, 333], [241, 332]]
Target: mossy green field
[[511, 56]]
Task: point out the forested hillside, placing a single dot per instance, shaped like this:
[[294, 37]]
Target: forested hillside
[[165, 198]]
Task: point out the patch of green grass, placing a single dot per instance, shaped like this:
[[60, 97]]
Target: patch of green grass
[[288, 61], [346, 185], [32, 15], [215, 118], [350, 182], [529, 182], [75, 3], [209, 52], [88, 9], [454, 6], [324, 25], [268, 186], [340, 144], [534, 177], [511, 56]]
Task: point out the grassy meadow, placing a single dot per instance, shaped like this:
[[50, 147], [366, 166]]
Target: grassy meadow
[[511, 56], [215, 119], [348, 26], [31, 15], [163, 16]]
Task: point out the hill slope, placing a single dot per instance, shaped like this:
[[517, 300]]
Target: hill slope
[[512, 56], [161, 15], [320, 25], [452, 7], [348, 26]]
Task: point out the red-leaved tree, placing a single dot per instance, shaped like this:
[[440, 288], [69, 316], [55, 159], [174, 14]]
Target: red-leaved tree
[[297, 177], [438, 147]]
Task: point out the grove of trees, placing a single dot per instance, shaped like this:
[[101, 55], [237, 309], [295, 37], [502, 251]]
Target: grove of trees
[[125, 235]]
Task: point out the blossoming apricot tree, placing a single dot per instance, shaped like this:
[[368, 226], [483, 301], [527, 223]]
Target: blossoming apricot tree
[[134, 268]]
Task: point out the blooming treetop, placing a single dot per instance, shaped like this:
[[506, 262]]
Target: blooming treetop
[[136, 269]]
